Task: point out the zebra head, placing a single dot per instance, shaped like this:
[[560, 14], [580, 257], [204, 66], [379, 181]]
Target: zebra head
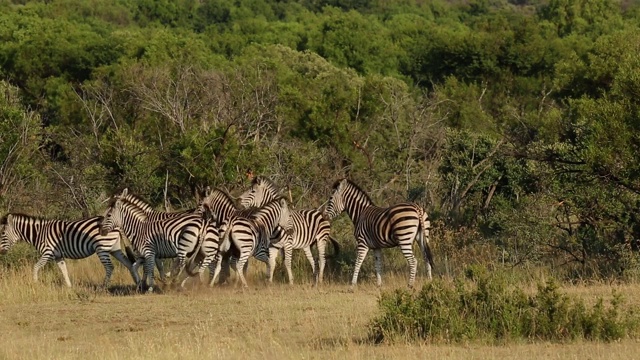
[[261, 192], [336, 205], [285, 221], [119, 213], [9, 236]]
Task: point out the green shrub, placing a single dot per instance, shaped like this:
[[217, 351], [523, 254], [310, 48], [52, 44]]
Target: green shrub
[[19, 255], [488, 307]]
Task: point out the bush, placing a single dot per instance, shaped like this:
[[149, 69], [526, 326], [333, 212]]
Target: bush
[[487, 306]]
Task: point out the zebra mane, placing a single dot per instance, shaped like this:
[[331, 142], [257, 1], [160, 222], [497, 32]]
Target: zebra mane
[[138, 201], [131, 200], [353, 184], [218, 193]]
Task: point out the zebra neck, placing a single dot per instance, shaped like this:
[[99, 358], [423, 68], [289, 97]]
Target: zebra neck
[[354, 209]]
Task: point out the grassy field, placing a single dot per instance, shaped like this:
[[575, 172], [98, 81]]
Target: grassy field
[[46, 320]]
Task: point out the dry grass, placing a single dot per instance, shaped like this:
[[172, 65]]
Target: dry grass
[[46, 320]]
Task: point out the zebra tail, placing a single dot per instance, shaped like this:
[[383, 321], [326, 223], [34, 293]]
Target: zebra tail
[[336, 246], [197, 256], [423, 236]]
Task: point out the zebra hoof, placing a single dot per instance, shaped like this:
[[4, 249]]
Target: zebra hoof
[[351, 289]]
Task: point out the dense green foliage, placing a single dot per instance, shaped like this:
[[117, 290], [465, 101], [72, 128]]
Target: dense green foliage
[[514, 122], [491, 307]]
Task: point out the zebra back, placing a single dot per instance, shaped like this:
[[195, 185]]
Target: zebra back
[[72, 239], [152, 214]]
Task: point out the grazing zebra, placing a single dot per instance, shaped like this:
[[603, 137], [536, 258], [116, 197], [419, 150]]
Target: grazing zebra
[[378, 228], [59, 239], [168, 238], [251, 236], [309, 228]]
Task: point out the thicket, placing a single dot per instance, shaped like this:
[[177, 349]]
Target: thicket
[[515, 123], [491, 307]]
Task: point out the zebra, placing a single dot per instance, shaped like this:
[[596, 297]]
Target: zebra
[[208, 246], [152, 215], [377, 228], [168, 238], [60, 239], [221, 208], [309, 228], [251, 235]]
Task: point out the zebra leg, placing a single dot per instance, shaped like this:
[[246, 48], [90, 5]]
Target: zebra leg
[[271, 266], [226, 269], [125, 261], [411, 260], [65, 274], [427, 263], [44, 259], [361, 254], [242, 261], [216, 265], [322, 250], [105, 259], [377, 253], [160, 266], [136, 265], [312, 261], [288, 252], [149, 265]]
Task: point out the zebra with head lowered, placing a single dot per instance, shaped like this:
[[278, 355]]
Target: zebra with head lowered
[[60, 239], [378, 228], [251, 235], [168, 238], [309, 228]]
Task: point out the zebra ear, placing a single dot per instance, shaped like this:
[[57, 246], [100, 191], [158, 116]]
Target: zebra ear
[[207, 191], [124, 192], [283, 202]]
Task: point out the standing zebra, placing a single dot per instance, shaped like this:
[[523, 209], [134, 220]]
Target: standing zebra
[[59, 239], [309, 228], [378, 228], [152, 215], [168, 238], [221, 208], [208, 246], [251, 236]]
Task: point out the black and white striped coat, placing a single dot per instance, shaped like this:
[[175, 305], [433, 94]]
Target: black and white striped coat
[[378, 228], [59, 240], [309, 228], [251, 235], [169, 238]]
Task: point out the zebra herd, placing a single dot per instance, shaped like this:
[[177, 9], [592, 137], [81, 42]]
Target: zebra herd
[[218, 235]]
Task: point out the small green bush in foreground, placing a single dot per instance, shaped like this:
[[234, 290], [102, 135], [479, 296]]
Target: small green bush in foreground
[[487, 307]]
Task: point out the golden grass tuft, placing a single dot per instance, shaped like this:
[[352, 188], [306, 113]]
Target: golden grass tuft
[[47, 320]]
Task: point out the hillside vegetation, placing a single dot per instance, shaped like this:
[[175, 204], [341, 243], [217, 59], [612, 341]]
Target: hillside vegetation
[[515, 123]]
